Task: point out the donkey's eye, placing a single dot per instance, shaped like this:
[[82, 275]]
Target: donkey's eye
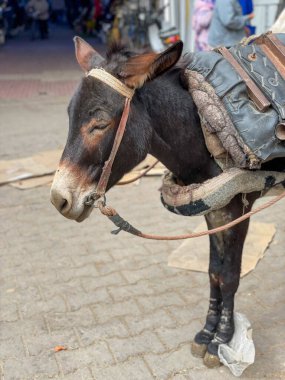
[[97, 127]]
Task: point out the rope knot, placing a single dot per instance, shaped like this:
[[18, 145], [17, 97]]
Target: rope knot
[[106, 210]]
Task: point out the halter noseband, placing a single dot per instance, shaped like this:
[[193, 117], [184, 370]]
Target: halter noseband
[[128, 93]]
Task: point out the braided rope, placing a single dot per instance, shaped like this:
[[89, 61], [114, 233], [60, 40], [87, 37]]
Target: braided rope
[[112, 81], [106, 210], [122, 183], [247, 40]]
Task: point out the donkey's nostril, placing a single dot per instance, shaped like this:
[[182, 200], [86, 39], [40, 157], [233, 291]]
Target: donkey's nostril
[[62, 200], [63, 205]]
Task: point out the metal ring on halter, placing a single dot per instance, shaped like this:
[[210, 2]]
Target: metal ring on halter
[[92, 198], [89, 200]]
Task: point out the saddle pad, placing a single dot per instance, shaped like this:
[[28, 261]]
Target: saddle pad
[[217, 192], [256, 128]]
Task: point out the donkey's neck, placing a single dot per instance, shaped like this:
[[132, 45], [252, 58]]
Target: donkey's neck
[[177, 139]]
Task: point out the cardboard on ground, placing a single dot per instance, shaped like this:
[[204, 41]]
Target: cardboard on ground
[[38, 170], [193, 254]]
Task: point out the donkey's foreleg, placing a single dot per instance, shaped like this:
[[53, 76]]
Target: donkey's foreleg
[[205, 336], [224, 272], [229, 276]]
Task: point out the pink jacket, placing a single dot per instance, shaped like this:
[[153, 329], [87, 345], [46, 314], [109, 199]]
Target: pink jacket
[[203, 12]]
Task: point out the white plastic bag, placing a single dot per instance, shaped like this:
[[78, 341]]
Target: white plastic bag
[[239, 353]]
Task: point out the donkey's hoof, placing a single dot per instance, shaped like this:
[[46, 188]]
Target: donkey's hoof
[[211, 361], [198, 350]]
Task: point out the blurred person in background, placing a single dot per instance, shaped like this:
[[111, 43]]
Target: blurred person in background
[[21, 15], [10, 11], [228, 23], [85, 23], [203, 13], [38, 11], [98, 13], [247, 8], [57, 11], [72, 11], [15, 16]]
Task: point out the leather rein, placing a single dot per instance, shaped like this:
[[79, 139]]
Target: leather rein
[[98, 198]]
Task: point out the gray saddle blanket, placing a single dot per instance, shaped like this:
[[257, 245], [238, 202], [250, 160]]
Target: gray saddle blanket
[[255, 128]]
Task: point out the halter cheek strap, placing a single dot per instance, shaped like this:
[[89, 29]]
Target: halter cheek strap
[[128, 93], [107, 169]]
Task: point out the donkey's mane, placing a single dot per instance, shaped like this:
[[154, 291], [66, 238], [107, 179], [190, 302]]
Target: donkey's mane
[[122, 49], [118, 48]]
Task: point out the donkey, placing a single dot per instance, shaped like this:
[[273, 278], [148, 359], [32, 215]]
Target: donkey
[[164, 122]]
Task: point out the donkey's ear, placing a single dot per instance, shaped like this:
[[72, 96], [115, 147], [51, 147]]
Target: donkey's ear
[[140, 68], [86, 56]]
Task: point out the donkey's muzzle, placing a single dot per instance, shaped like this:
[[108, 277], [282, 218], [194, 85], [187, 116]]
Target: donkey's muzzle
[[69, 192]]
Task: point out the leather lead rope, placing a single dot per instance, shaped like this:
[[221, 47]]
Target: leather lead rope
[[123, 225]]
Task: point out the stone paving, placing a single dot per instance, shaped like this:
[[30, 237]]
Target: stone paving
[[112, 301]]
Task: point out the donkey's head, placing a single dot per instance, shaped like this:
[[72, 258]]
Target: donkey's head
[[94, 114]]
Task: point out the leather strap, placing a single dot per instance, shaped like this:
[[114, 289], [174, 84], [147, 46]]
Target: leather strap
[[123, 225], [103, 182], [274, 50], [257, 96]]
